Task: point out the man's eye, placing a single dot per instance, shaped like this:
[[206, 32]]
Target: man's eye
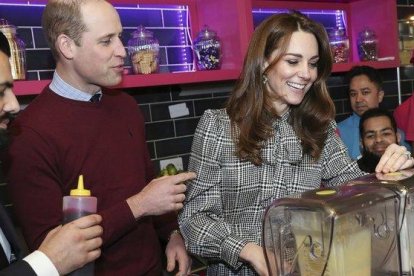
[[106, 42]]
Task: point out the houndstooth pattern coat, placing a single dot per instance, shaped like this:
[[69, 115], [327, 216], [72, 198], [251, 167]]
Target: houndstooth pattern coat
[[224, 205]]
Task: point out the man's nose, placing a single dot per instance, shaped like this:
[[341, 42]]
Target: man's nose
[[359, 97], [11, 105], [378, 138], [120, 49]]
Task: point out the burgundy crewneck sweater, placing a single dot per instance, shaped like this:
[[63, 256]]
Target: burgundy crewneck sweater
[[54, 140]]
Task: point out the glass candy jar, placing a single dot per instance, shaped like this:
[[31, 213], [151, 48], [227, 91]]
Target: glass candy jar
[[339, 45], [143, 51], [17, 50], [207, 48], [367, 45]]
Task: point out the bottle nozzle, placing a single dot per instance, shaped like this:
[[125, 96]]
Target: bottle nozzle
[[80, 191]]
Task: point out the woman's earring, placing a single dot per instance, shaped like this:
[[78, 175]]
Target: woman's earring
[[265, 79]]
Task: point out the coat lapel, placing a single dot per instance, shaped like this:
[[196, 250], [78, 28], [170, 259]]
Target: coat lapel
[[10, 232]]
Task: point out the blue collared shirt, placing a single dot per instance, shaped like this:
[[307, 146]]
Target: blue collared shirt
[[62, 88]]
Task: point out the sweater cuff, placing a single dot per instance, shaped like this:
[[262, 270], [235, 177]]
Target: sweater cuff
[[116, 221], [230, 250]]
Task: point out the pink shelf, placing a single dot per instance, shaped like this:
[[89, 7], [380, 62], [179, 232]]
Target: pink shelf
[[344, 67], [233, 21], [129, 81]]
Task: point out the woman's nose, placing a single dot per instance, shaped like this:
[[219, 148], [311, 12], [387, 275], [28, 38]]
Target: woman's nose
[[304, 72]]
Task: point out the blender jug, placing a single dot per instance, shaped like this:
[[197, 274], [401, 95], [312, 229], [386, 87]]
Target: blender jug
[[344, 231], [402, 183]]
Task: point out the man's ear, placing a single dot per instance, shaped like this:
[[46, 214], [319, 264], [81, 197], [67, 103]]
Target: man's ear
[[398, 137], [65, 46], [380, 96]]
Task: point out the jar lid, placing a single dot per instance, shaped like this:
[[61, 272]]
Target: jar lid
[[367, 33], [6, 27], [206, 33], [141, 32], [337, 33]]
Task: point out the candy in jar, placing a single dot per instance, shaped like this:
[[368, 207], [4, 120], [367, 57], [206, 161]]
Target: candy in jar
[[207, 48], [143, 50], [339, 44], [367, 45]]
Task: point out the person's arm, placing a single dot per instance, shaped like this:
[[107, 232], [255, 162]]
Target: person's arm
[[18, 268], [253, 254], [34, 185], [337, 166], [177, 253], [41, 264], [205, 231]]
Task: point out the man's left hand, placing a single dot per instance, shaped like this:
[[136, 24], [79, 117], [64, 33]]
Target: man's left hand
[[176, 252]]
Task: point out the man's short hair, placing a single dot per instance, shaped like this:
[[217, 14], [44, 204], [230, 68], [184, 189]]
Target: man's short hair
[[371, 73], [4, 45], [376, 112]]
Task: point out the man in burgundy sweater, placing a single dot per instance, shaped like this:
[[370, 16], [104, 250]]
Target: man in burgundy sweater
[[65, 248], [62, 134]]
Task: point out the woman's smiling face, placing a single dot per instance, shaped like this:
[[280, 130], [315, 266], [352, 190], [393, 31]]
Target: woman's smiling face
[[295, 72]]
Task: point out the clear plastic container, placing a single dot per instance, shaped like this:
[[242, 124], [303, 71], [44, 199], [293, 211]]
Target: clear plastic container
[[339, 43], [342, 231], [78, 204], [367, 45], [143, 50], [207, 48]]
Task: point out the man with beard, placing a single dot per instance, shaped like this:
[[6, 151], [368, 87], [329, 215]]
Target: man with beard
[[365, 92], [64, 248], [378, 130]]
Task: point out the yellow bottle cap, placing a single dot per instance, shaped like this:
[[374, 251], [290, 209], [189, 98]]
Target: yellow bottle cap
[[80, 191]]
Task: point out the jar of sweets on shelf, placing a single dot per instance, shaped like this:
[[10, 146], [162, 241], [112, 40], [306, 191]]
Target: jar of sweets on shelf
[[207, 48], [17, 50], [339, 45], [143, 50], [367, 45]]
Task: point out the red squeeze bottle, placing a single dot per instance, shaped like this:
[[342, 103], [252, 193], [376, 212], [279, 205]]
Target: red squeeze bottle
[[78, 204]]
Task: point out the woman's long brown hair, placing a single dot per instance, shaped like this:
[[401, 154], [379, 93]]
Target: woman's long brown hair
[[250, 105]]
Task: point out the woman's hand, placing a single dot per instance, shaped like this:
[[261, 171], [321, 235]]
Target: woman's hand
[[395, 158], [253, 254]]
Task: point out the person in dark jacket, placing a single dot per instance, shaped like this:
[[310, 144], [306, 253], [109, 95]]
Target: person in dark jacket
[[65, 248], [79, 125]]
